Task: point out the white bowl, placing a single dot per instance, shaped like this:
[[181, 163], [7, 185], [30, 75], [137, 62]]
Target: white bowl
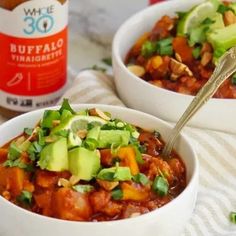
[[166, 221], [218, 114]]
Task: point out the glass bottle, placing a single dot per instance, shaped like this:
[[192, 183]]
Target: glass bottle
[[33, 55]]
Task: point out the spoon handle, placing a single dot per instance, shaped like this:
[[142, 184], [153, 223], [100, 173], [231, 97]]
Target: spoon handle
[[225, 68]]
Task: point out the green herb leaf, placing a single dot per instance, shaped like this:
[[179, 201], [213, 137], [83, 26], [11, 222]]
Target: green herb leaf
[[164, 46], [141, 178], [138, 154], [41, 139], [181, 15], [107, 61], [90, 144], [207, 21], [98, 68], [28, 131], [34, 149], [25, 197], [148, 49], [48, 117], [218, 52], [117, 194], [196, 52], [223, 8], [233, 79], [64, 133], [160, 186], [109, 176], [232, 217], [15, 163], [14, 152], [66, 106], [83, 188]]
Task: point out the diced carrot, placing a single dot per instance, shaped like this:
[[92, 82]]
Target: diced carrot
[[134, 192], [138, 45], [3, 154], [3, 177], [15, 180], [180, 45], [128, 158]]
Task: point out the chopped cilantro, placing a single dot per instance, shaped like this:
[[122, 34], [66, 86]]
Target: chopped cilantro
[[232, 217], [107, 61], [66, 106], [196, 52], [117, 194], [148, 49], [90, 144], [233, 79], [181, 15], [14, 152], [25, 197], [160, 186], [48, 117], [223, 8], [207, 21], [28, 131], [34, 150], [98, 68], [141, 178]]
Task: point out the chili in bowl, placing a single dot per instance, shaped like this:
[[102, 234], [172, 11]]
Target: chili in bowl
[[168, 51], [82, 171]]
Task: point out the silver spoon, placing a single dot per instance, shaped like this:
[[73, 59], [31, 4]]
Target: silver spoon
[[225, 68]]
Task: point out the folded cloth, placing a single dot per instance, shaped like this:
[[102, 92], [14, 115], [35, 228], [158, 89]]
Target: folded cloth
[[216, 152]]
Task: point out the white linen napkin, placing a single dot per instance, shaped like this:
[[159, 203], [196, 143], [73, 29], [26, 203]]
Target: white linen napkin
[[216, 152]]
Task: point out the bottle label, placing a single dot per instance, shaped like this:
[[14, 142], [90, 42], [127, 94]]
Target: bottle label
[[33, 54]]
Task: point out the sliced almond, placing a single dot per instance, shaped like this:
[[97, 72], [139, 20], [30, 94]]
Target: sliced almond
[[178, 57], [82, 133], [64, 183], [107, 185], [74, 180], [55, 123], [49, 139], [206, 58], [135, 214], [137, 70], [6, 195], [178, 69], [229, 18], [98, 112]]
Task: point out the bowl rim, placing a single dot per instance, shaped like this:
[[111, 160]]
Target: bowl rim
[[123, 29], [141, 218]]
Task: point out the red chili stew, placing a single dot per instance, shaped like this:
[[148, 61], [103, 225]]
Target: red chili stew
[[153, 182], [183, 62]]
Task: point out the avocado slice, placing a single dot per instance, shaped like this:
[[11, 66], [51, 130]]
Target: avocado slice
[[118, 173], [84, 163], [223, 38], [54, 156], [113, 137]]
